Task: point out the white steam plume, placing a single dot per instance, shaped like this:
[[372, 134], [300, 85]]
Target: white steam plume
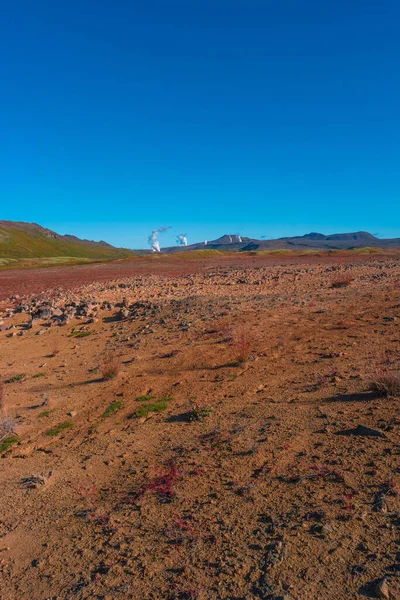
[[182, 239], [153, 238]]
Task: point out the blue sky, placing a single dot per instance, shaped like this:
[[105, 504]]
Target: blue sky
[[212, 116]]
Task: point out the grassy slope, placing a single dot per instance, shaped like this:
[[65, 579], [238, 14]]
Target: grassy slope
[[32, 244], [51, 261]]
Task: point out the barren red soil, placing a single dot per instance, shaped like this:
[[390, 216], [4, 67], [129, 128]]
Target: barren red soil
[[35, 281], [271, 470]]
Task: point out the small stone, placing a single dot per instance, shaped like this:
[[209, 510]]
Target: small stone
[[72, 413], [382, 590], [123, 314], [363, 430]]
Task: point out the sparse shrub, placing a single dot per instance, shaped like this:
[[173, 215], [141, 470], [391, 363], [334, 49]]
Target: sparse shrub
[[7, 424], [198, 412], [151, 407], [145, 398], [241, 346], [341, 280], [111, 409], [37, 375], [59, 428], [15, 378], [7, 442], [46, 413], [80, 334], [385, 382], [110, 365], [382, 371], [146, 409]]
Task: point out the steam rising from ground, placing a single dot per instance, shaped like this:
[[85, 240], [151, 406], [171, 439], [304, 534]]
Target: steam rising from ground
[[182, 239], [153, 238], [237, 236]]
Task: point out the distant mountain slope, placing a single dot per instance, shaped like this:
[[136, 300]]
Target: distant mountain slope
[[29, 240], [310, 241]]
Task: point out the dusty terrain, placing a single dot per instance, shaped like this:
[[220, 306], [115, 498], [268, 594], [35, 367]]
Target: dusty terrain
[[253, 480], [17, 282]]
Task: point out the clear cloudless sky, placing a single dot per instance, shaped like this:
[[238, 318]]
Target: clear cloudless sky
[[263, 117]]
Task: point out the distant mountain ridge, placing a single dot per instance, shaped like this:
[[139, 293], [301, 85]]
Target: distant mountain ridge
[[20, 240], [309, 241]]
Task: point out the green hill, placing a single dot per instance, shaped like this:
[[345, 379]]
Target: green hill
[[21, 241]]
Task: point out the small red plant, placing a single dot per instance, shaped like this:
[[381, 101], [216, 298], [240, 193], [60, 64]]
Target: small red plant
[[187, 529], [326, 471], [164, 482], [347, 498], [90, 495]]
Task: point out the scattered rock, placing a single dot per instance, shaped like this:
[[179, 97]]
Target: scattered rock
[[382, 590], [42, 312], [362, 430], [123, 314]]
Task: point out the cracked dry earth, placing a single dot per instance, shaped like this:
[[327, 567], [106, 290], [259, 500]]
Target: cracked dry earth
[[238, 452]]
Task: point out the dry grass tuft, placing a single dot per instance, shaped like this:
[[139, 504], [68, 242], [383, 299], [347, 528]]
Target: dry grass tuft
[[34, 480], [111, 365], [341, 280], [7, 424], [382, 371], [241, 346], [385, 382]]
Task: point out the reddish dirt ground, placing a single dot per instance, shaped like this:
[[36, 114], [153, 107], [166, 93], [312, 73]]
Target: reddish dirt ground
[[35, 281], [225, 460]]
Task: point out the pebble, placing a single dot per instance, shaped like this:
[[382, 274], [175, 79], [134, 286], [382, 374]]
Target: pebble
[[382, 590]]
